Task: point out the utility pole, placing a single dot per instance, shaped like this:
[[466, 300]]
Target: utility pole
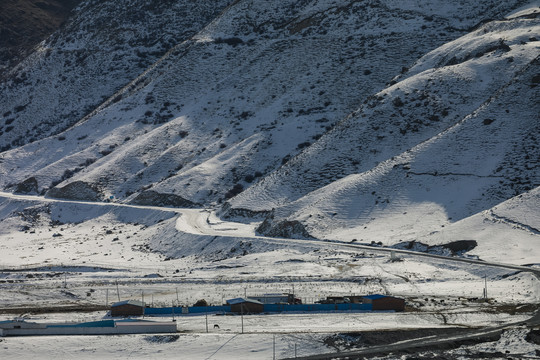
[[485, 287], [177, 301], [206, 320], [107, 297], [117, 291]]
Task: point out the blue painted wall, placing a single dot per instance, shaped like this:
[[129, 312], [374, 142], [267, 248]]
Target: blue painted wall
[[269, 308], [190, 310], [316, 307]]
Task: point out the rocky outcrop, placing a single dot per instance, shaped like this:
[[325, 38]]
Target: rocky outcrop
[[28, 186], [284, 229], [77, 190], [454, 248], [153, 198]]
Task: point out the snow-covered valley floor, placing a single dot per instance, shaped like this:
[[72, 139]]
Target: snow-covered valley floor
[[66, 254]]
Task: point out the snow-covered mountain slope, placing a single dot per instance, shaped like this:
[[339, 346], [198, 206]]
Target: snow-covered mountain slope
[[455, 136], [375, 121], [101, 48], [256, 86]]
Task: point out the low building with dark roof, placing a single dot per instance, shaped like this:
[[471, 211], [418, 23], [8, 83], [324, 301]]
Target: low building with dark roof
[[245, 306], [128, 308], [384, 302]]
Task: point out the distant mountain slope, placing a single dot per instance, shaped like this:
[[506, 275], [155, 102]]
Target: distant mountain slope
[[103, 46], [454, 137], [239, 99], [25, 23]]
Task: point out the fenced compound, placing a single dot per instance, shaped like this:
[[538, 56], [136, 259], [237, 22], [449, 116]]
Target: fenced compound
[[268, 308], [179, 310], [316, 307]]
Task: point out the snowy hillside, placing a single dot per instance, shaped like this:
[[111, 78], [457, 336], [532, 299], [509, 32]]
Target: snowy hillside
[[454, 136], [178, 151], [231, 104], [100, 49], [375, 121], [25, 23]]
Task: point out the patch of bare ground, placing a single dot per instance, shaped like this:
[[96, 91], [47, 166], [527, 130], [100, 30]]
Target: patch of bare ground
[[355, 340], [513, 309]]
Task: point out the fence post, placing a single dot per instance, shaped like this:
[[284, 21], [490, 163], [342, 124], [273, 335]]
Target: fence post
[[242, 316], [274, 347]]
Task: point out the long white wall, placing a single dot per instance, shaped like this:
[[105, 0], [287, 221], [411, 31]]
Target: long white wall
[[120, 329]]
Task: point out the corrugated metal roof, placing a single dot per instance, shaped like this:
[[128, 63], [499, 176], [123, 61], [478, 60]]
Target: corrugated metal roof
[[242, 300], [129, 302]]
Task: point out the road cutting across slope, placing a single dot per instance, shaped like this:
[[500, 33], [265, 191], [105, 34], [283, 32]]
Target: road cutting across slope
[[206, 222]]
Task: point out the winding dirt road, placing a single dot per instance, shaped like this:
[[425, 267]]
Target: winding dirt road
[[205, 222]]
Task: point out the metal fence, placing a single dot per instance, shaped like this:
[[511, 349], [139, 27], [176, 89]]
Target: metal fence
[[268, 308], [316, 307], [187, 310]]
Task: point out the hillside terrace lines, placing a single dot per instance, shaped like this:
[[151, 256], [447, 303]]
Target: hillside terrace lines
[[420, 147], [500, 91]]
